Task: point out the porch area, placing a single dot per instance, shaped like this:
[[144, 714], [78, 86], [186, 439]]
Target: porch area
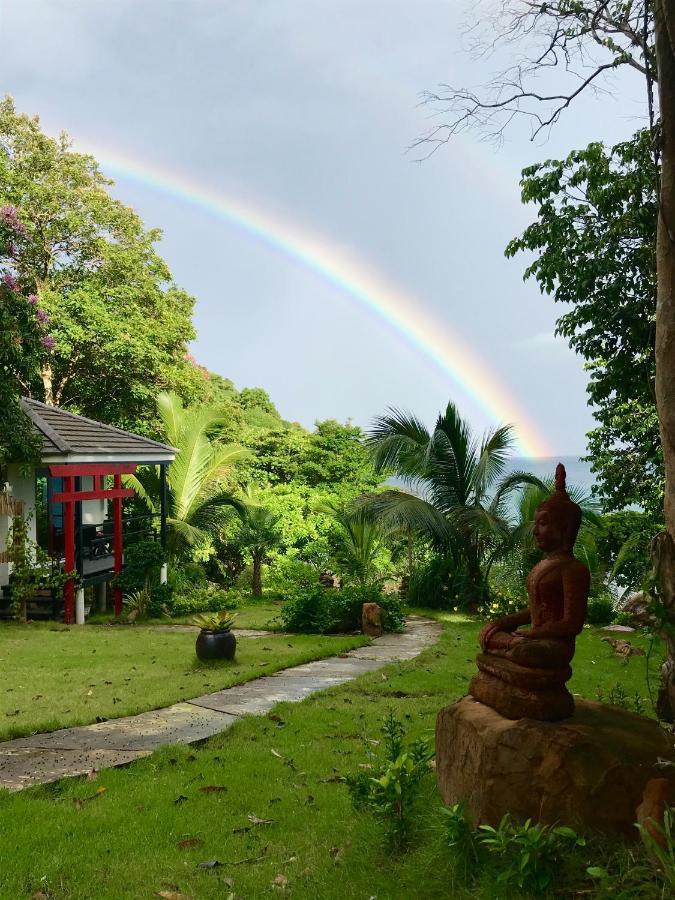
[[73, 505]]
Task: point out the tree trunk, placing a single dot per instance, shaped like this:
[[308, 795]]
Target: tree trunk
[[665, 333], [48, 384], [257, 575]]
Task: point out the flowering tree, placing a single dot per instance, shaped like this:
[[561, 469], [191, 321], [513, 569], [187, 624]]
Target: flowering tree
[[118, 325], [24, 341]]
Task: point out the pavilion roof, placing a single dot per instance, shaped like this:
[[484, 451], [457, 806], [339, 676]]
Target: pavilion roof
[[67, 437]]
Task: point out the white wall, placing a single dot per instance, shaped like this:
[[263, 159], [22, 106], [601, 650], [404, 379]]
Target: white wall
[[93, 511]]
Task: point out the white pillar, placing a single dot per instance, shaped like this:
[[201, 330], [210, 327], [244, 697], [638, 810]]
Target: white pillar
[[163, 573], [79, 607]]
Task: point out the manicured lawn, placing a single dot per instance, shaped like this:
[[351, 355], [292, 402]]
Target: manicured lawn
[[64, 676], [126, 842], [263, 615]]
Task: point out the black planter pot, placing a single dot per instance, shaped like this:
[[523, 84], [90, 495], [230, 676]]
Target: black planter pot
[[215, 645]]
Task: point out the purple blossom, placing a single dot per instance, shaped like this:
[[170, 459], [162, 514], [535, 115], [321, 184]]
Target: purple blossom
[[42, 316], [48, 342], [11, 281], [10, 218], [10, 250], [32, 299]]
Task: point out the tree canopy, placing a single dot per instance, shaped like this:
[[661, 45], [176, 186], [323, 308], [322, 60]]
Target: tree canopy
[[119, 324], [595, 245]]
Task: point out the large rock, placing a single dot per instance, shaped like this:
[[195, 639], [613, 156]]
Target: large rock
[[588, 771]]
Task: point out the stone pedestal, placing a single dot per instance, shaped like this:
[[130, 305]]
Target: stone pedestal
[[588, 771]]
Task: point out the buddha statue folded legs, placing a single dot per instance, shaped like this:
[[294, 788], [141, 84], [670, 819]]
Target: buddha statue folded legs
[[523, 671]]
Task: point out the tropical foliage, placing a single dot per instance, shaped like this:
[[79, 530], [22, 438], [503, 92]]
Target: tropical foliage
[[457, 491], [100, 283], [594, 241], [199, 494]]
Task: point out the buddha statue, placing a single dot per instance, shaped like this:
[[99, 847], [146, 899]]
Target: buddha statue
[[526, 656]]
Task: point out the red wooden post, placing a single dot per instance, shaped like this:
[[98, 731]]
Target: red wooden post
[[117, 540], [69, 540]]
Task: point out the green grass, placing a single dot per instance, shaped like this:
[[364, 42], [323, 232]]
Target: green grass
[[263, 615], [124, 843], [63, 676]]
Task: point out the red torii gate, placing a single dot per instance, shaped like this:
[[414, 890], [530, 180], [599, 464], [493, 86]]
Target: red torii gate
[[69, 497]]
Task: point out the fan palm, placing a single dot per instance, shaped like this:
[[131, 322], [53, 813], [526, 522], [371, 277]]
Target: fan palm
[[359, 541], [457, 492], [258, 532], [197, 498]]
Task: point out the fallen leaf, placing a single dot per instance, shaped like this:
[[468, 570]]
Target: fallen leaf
[[92, 775], [188, 843], [40, 895], [209, 864], [228, 882], [280, 882], [213, 789], [336, 852], [276, 753], [254, 820]]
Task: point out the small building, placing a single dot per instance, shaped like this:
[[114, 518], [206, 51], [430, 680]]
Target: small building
[[72, 501]]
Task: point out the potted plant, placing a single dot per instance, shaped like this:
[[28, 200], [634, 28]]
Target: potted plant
[[215, 640]]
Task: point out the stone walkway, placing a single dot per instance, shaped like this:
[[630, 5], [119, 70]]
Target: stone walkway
[[43, 758]]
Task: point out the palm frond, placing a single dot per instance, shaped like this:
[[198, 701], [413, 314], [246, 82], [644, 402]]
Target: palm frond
[[399, 441], [494, 452], [398, 509]]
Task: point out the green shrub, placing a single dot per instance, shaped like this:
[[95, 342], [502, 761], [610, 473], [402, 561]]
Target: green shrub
[[440, 584], [287, 574], [202, 599], [319, 610], [600, 610], [142, 562], [503, 601], [391, 786], [529, 854]]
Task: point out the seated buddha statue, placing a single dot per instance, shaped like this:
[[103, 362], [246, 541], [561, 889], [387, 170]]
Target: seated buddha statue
[[526, 656]]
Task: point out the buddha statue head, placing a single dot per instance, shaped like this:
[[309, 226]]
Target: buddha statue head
[[558, 519]]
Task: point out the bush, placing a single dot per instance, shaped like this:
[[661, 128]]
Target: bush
[[391, 785], [319, 610], [142, 562], [202, 599], [600, 611], [287, 574], [440, 584], [503, 601]]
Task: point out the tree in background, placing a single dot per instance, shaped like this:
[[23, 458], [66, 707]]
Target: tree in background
[[24, 342], [199, 480], [457, 489], [582, 41], [119, 325], [359, 546], [595, 245], [258, 533]]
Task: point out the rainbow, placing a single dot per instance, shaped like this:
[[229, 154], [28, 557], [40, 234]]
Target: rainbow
[[400, 310]]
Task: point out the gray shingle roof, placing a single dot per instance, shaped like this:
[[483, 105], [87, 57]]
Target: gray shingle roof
[[65, 434]]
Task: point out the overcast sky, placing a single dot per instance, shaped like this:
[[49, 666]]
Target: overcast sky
[[305, 108]]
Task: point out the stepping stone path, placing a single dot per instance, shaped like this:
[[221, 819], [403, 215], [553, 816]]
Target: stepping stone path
[[42, 758]]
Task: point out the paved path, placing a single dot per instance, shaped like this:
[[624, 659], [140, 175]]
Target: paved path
[[75, 751]]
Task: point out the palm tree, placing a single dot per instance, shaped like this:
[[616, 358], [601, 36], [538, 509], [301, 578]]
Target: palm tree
[[258, 532], [360, 538], [197, 498], [457, 495]]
